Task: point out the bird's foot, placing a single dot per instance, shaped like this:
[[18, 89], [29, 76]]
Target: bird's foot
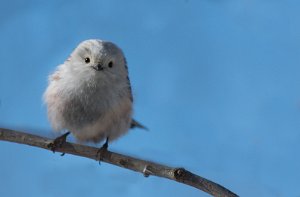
[[58, 142], [102, 150]]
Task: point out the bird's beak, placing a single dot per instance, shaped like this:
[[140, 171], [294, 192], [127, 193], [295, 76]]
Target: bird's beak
[[98, 67]]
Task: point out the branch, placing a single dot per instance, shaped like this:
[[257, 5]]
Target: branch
[[145, 167]]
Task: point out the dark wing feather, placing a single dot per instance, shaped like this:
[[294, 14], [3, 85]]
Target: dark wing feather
[[128, 81], [134, 123]]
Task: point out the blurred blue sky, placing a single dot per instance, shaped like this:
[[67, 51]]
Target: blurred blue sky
[[217, 82]]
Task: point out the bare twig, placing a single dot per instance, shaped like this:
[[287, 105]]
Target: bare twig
[[145, 167]]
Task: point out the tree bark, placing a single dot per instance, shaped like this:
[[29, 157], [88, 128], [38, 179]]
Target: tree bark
[[147, 168]]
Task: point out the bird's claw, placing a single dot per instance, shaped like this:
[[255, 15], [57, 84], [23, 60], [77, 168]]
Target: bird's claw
[[102, 150], [58, 142]]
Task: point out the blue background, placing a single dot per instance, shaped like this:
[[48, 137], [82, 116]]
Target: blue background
[[217, 82]]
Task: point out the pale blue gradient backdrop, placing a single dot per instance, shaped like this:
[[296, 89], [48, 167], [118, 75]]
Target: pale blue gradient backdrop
[[217, 83]]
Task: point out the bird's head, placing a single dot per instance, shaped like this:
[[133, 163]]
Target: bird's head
[[98, 59]]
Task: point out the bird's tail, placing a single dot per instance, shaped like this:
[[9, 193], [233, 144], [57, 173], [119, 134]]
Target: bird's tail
[[136, 124]]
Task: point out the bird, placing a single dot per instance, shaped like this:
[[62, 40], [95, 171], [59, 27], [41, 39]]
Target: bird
[[90, 95]]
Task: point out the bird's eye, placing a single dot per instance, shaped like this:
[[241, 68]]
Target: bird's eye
[[87, 60], [110, 64]]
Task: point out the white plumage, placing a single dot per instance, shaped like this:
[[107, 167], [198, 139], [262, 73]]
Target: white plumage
[[90, 94]]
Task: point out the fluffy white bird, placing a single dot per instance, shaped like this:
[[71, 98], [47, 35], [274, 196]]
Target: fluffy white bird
[[90, 94]]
